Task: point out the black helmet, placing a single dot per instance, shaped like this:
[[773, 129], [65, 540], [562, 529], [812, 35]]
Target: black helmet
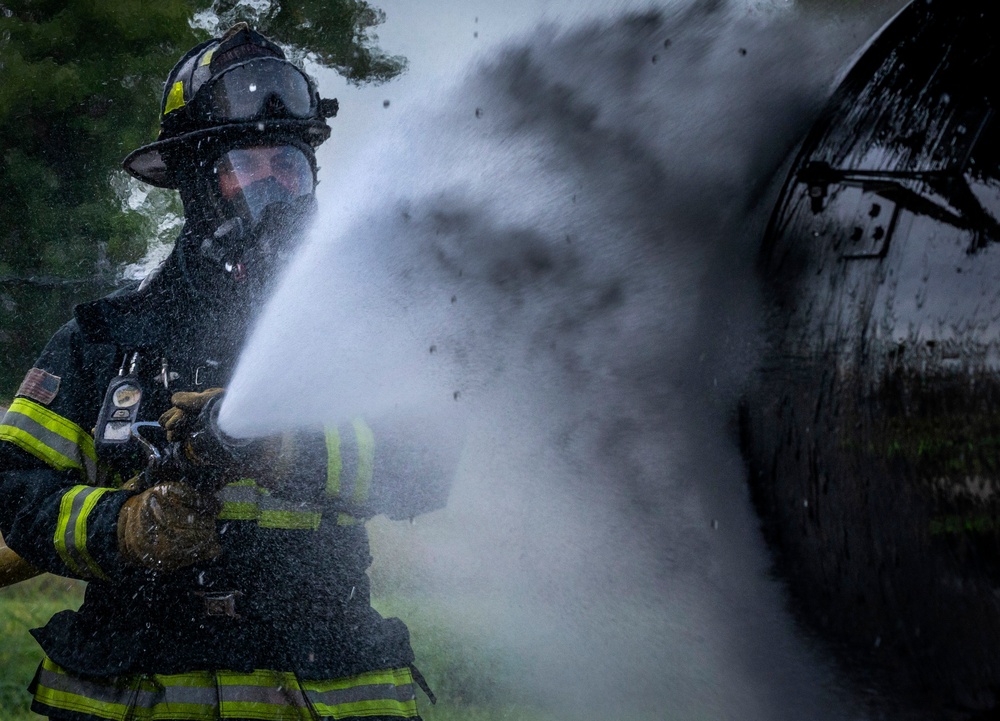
[[234, 87]]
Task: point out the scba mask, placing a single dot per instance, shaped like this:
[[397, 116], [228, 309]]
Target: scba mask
[[264, 199], [239, 125]]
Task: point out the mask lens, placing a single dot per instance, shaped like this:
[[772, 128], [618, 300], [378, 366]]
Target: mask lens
[[250, 179], [247, 91]]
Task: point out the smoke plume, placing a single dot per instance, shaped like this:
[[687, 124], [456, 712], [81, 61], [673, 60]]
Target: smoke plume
[[555, 254]]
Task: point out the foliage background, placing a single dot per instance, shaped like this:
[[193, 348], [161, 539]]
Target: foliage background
[[80, 88], [457, 668]]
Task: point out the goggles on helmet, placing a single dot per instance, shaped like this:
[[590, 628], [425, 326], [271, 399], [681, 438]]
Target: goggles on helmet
[[260, 88], [253, 178]]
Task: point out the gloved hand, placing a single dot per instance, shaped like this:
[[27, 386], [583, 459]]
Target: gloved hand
[[216, 459], [168, 526], [180, 419]]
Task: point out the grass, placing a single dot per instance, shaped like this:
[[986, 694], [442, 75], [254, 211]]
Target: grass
[[462, 673], [22, 607], [472, 681]]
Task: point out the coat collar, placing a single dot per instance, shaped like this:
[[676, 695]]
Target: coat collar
[[139, 315]]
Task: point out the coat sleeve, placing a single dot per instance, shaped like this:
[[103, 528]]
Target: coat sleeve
[[53, 512], [401, 467]]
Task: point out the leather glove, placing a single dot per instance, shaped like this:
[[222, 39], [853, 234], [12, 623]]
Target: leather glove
[[180, 419], [212, 454], [168, 526]]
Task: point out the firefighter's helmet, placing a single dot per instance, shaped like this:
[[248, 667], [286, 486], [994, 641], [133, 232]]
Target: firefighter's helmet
[[239, 86]]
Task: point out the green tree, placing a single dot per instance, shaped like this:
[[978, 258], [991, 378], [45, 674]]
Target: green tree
[[338, 35], [80, 87]]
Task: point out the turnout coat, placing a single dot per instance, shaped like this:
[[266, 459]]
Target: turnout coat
[[283, 610]]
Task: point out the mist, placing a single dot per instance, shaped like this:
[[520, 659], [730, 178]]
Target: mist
[[550, 257]]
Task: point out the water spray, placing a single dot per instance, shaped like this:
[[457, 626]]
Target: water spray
[[559, 249]]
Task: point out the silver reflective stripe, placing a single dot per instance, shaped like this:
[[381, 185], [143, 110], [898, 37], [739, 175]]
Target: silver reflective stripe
[[270, 503], [55, 449], [246, 501], [112, 699], [349, 461], [209, 695], [239, 494], [271, 695], [239, 501], [71, 529], [354, 445], [373, 692], [366, 460], [333, 462]]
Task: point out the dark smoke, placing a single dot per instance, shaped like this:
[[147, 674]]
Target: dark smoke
[[557, 252]]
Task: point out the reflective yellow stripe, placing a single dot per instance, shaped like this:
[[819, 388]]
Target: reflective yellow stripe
[[376, 693], [346, 519], [80, 530], [207, 57], [175, 99], [334, 463], [51, 438], [71, 530], [261, 695], [291, 520], [62, 525], [291, 515], [240, 501], [233, 511], [366, 460], [187, 696], [266, 695], [244, 500]]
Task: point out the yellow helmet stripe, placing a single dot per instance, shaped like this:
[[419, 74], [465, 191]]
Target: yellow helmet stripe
[[175, 99]]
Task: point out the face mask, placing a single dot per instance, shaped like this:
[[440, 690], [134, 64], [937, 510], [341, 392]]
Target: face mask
[[265, 194]]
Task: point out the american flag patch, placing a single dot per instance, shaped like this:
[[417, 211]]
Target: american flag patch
[[39, 386]]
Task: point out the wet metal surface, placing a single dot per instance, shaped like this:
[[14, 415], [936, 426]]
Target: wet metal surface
[[872, 430]]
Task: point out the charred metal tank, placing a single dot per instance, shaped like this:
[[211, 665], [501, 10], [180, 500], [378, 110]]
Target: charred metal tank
[[872, 430]]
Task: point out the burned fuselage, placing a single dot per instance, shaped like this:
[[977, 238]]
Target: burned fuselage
[[872, 430]]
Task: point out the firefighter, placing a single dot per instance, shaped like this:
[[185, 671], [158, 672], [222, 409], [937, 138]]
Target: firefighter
[[213, 591]]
